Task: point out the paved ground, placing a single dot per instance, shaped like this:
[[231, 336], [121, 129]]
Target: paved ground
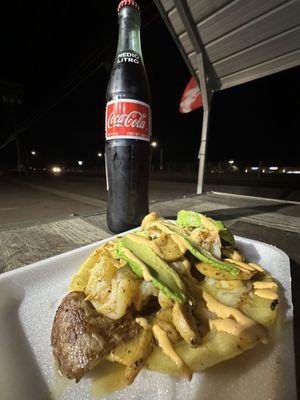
[[36, 199]]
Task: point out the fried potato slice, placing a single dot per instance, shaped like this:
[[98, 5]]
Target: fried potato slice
[[261, 310], [80, 279], [164, 319], [229, 294], [185, 324], [133, 354], [233, 254], [169, 249], [216, 347], [168, 349], [216, 273]]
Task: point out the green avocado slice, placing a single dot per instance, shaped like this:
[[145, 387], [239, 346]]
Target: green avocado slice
[[164, 277], [189, 219], [202, 254], [136, 267]]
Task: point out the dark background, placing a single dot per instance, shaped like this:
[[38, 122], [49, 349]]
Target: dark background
[[60, 53]]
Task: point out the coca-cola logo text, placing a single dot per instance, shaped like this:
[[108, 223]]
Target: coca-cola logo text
[[127, 118], [134, 119]]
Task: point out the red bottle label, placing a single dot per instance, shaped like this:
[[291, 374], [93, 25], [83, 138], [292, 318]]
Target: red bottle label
[[127, 119]]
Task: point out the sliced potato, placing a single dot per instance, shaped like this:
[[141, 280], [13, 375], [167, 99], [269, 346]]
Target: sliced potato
[[233, 254], [164, 319], [168, 349], [230, 296], [133, 354], [185, 324], [216, 347], [80, 279], [168, 247], [219, 274], [261, 310]]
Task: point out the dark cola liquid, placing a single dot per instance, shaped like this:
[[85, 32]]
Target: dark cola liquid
[[127, 160]]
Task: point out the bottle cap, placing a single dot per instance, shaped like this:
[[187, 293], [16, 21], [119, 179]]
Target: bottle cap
[[131, 3]]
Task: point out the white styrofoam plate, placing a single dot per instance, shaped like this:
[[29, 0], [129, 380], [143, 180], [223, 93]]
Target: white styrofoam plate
[[30, 296]]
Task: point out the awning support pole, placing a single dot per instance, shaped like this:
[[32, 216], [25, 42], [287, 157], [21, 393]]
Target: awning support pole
[[206, 75], [206, 94]]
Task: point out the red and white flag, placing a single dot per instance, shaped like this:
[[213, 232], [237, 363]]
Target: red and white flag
[[191, 98]]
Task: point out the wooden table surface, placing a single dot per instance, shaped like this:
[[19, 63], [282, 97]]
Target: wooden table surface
[[272, 221]]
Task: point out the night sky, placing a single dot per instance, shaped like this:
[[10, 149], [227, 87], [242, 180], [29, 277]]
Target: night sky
[[50, 47]]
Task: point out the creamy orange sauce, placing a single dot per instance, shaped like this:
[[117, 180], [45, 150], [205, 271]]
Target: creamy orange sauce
[[264, 285], [240, 326], [266, 294]]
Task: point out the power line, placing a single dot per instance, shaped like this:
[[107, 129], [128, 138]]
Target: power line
[[89, 62]]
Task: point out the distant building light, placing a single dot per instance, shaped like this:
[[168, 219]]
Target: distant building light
[[99, 154], [263, 170], [254, 168], [33, 152], [80, 163], [231, 161], [246, 170], [212, 171], [154, 144], [284, 170], [273, 168]]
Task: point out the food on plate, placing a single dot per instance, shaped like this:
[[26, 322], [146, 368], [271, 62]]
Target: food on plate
[[172, 296]]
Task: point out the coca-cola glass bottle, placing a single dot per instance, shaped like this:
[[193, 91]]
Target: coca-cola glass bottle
[[127, 126]]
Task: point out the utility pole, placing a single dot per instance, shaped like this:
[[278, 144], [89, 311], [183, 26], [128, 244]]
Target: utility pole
[[161, 167], [11, 95]]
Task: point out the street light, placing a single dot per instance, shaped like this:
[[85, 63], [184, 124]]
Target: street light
[[80, 163], [99, 155], [231, 161], [33, 152], [154, 144]]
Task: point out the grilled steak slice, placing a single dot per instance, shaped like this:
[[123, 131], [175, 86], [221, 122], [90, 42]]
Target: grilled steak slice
[[81, 337]]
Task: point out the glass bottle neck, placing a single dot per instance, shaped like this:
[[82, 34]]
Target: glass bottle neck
[[129, 30]]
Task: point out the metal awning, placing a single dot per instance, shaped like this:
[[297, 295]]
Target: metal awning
[[228, 42]]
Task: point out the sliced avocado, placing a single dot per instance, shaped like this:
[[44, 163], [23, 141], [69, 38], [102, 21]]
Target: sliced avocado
[[189, 219], [167, 278], [143, 271], [202, 254]]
